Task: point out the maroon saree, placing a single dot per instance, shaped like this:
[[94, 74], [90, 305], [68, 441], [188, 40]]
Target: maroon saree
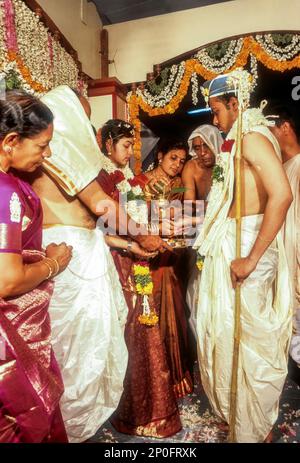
[[169, 296], [30, 381], [168, 275], [148, 405]]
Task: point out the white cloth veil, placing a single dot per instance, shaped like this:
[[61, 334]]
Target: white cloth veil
[[76, 158], [210, 135]]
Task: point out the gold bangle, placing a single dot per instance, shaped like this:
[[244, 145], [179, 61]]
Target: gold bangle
[[55, 270], [56, 265], [50, 269]]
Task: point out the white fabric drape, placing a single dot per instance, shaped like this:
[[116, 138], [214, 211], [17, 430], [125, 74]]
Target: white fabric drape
[[291, 236], [210, 135], [76, 158], [88, 314]]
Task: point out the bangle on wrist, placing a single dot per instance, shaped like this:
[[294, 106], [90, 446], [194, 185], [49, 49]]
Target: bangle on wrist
[[57, 266], [49, 268], [129, 246], [53, 270]]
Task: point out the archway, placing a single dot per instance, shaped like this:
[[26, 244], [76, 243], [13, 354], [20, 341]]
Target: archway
[[162, 102]]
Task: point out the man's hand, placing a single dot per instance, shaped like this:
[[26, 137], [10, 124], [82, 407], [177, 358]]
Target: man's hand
[[152, 243], [240, 269]]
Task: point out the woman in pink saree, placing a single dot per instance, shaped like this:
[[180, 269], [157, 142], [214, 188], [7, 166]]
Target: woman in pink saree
[[30, 381]]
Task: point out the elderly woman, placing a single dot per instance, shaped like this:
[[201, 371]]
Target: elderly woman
[[30, 381]]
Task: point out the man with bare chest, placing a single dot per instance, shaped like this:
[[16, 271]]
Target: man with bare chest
[[204, 143], [59, 207], [262, 270], [87, 310]]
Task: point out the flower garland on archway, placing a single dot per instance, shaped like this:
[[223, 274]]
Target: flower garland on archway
[[30, 56], [278, 52]]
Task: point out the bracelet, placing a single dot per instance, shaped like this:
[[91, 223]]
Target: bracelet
[[129, 246], [50, 269], [52, 272], [56, 264]]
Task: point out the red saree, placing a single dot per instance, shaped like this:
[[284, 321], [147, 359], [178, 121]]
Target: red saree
[[148, 405], [30, 381], [168, 295], [168, 274]]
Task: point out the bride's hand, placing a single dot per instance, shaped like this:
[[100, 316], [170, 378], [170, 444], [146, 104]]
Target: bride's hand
[[140, 252]]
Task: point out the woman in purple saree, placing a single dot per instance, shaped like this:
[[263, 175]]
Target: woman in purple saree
[[30, 381]]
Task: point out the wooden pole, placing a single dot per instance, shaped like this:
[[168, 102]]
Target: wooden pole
[[237, 311], [104, 53]]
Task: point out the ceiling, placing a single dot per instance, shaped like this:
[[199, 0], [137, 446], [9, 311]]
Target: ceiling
[[117, 11]]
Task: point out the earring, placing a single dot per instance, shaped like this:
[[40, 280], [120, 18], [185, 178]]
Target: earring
[[7, 149], [160, 161], [109, 153]]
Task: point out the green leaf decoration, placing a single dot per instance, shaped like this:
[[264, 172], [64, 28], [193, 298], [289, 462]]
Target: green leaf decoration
[[282, 40], [218, 50], [156, 85], [12, 81], [218, 173], [132, 197], [178, 190]]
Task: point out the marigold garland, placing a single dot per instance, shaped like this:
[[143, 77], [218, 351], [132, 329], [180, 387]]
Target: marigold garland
[[144, 287], [25, 73], [41, 68], [250, 47], [200, 262]]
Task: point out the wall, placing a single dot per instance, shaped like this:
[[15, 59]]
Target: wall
[[102, 110], [84, 38], [137, 45]]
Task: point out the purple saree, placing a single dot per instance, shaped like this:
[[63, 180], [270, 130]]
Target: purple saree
[[30, 381]]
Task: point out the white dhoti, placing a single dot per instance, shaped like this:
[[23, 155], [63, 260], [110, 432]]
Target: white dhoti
[[291, 237], [265, 331], [88, 314], [192, 289]]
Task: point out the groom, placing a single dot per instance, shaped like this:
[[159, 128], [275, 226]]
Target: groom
[[261, 271]]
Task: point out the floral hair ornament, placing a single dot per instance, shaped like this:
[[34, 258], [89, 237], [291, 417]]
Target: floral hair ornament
[[205, 93], [243, 84], [271, 118], [124, 126]]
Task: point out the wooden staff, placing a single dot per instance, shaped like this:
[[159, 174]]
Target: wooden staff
[[237, 309]]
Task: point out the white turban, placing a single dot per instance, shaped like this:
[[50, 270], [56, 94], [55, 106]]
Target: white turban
[[76, 159], [210, 135]]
